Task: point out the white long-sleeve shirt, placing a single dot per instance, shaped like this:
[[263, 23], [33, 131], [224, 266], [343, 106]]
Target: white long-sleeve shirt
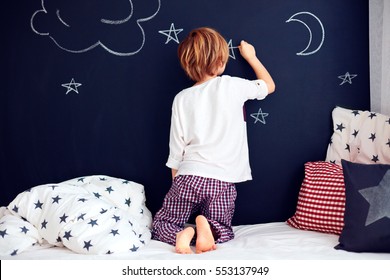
[[208, 134]]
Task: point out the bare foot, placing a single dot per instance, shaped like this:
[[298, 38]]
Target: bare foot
[[183, 239], [204, 241]]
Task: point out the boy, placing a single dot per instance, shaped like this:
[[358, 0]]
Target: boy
[[208, 143]]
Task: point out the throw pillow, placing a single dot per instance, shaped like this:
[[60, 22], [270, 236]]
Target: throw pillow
[[321, 199], [367, 209], [359, 136]]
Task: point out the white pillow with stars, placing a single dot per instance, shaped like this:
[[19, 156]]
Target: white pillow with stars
[[359, 136]]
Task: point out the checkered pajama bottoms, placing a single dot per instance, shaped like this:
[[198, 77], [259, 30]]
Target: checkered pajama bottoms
[[214, 199]]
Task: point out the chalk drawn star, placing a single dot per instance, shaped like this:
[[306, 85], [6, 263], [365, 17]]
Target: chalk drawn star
[[379, 199], [259, 116], [231, 49], [71, 86], [347, 78], [168, 33]]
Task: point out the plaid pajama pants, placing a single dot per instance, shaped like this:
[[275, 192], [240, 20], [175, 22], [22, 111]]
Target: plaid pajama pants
[[189, 194]]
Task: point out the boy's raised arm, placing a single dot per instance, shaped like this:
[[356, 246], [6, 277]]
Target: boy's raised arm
[[248, 52]]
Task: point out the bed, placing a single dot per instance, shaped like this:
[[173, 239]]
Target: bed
[[338, 214], [270, 241]]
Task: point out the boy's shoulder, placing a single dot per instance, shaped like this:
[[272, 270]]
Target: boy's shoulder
[[224, 81], [218, 79], [233, 79]]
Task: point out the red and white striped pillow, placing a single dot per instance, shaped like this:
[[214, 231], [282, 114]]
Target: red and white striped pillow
[[321, 200]]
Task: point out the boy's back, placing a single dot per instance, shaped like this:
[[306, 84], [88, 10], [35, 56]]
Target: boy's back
[[209, 125]]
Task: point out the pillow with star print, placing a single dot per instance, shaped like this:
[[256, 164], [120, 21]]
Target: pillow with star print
[[367, 208], [359, 136]]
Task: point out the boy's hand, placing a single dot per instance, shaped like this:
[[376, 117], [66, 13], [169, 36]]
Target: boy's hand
[[247, 50]]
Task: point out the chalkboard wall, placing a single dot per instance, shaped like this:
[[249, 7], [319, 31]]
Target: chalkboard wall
[[87, 89]]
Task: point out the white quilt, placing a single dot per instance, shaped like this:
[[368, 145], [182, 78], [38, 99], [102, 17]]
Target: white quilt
[[88, 215]]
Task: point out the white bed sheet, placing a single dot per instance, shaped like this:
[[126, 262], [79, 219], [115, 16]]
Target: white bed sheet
[[270, 241]]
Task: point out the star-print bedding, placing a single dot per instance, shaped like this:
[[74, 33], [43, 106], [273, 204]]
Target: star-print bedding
[[359, 136], [88, 215]]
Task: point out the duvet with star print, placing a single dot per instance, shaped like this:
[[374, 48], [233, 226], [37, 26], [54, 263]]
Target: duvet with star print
[[88, 215]]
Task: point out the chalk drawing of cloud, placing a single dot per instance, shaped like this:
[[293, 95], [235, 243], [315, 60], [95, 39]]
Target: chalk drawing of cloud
[[78, 26]]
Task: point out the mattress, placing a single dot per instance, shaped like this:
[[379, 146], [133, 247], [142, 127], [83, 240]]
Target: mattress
[[269, 241], [269, 251]]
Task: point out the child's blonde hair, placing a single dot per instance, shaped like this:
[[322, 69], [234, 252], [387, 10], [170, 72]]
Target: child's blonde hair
[[202, 52]]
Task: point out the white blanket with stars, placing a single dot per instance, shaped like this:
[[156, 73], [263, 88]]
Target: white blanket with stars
[[88, 215]]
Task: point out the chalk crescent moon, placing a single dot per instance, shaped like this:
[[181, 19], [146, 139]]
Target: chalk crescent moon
[[295, 17]]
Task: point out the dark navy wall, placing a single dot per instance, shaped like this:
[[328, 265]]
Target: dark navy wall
[[87, 89]]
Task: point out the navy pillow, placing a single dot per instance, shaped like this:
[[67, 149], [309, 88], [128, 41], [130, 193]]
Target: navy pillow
[[367, 208]]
